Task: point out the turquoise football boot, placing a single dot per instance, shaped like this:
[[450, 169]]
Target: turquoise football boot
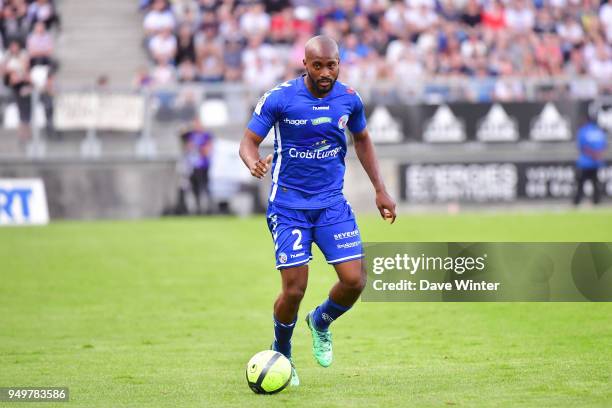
[[321, 343], [295, 380]]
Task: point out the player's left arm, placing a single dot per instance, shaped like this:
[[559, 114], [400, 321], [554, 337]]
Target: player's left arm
[[367, 156]]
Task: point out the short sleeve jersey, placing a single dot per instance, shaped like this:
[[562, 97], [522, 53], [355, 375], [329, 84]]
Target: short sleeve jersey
[[591, 137], [310, 141]]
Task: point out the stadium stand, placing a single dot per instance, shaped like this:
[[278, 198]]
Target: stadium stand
[[27, 30], [260, 43], [455, 91], [99, 38]]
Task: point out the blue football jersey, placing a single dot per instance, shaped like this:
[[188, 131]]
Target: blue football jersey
[[310, 142], [592, 137]]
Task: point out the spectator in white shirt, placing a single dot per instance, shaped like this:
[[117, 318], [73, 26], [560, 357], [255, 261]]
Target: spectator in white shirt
[[570, 32], [520, 16], [16, 64], [473, 47], [398, 48], [600, 67], [421, 18], [581, 86], [159, 18], [262, 67], [590, 49], [255, 21], [163, 74], [394, 19], [507, 87], [407, 67], [16, 68], [421, 3], [605, 16], [163, 46]]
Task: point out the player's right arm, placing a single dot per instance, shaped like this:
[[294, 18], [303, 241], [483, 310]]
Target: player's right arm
[[264, 117], [249, 153]]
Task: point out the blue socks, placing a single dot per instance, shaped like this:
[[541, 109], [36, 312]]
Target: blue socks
[[326, 313], [322, 316], [282, 337]]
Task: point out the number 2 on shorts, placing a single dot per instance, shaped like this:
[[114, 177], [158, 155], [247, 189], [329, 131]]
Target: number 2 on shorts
[[297, 244]]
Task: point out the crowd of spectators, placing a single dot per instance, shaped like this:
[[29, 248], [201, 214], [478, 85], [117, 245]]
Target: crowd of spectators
[[26, 52], [261, 42]]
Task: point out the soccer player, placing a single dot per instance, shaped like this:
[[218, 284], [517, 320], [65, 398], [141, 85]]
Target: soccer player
[[592, 145], [310, 115]]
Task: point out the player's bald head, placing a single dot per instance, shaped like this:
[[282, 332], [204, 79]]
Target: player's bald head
[[322, 63], [322, 47]]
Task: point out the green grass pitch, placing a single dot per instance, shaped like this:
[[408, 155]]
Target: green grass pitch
[[166, 313]]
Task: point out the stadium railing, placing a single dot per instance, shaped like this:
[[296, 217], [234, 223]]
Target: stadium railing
[[145, 123]]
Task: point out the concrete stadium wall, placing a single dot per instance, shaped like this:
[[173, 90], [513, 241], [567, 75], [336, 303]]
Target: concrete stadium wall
[[125, 189], [104, 189]]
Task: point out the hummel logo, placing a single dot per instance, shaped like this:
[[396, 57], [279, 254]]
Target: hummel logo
[[317, 108]]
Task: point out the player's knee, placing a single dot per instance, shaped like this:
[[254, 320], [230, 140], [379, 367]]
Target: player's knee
[[355, 283], [294, 294], [361, 283]]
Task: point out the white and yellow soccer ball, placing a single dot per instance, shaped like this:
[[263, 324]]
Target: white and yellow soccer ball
[[268, 372]]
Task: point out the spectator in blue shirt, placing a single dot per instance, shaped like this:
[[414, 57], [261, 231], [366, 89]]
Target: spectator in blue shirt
[[198, 148], [592, 145]]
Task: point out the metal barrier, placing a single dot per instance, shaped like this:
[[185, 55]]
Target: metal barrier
[[156, 115]]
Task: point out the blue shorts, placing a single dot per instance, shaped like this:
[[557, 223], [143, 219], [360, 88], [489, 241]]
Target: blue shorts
[[333, 229]]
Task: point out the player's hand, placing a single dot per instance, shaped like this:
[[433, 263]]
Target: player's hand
[[261, 167], [386, 206]]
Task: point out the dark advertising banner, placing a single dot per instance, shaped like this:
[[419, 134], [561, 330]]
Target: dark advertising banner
[[493, 182], [555, 121]]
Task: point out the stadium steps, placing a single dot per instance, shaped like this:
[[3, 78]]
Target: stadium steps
[[99, 38], [9, 143]]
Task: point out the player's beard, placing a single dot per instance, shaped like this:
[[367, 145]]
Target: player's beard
[[323, 90]]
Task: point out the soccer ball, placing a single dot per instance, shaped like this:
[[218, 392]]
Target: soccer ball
[[268, 372]]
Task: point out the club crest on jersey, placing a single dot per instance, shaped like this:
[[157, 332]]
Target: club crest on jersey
[[342, 122], [282, 258]]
